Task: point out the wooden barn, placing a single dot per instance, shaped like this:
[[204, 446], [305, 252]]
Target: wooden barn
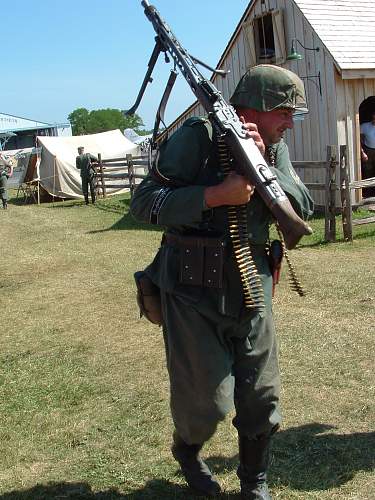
[[330, 44]]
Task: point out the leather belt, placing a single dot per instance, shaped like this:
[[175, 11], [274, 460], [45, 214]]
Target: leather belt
[[193, 241]]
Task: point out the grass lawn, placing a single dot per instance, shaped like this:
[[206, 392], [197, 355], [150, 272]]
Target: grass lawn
[[83, 385]]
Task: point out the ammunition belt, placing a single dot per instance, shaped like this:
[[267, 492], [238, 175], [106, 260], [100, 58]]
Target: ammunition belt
[[237, 216]]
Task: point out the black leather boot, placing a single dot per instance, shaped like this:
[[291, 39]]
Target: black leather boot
[[252, 471], [86, 199], [5, 205], [195, 470]]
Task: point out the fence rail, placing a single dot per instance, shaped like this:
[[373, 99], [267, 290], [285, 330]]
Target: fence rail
[[112, 169], [346, 188]]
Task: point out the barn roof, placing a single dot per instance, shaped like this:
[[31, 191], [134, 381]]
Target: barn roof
[[346, 27]]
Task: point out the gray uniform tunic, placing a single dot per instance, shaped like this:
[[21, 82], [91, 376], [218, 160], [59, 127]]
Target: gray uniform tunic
[[4, 175], [83, 163], [218, 352]]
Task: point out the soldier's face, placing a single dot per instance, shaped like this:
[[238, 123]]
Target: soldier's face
[[272, 124]]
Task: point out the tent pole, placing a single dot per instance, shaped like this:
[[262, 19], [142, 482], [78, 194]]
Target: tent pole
[[54, 174]]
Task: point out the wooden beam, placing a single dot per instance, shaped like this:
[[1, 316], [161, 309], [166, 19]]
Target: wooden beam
[[364, 183], [309, 164], [330, 194], [368, 220], [345, 195]]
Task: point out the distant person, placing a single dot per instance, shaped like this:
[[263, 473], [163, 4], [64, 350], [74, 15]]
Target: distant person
[[84, 164], [368, 153], [6, 171]]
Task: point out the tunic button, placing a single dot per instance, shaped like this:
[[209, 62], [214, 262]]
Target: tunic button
[[187, 251]]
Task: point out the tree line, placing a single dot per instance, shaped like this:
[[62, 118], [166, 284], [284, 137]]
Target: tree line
[[85, 122]]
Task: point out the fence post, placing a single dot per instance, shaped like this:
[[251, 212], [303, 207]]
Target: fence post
[[346, 203], [330, 194], [102, 175], [129, 159]]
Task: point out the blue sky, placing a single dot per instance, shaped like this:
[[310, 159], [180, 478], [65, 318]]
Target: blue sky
[[58, 56]]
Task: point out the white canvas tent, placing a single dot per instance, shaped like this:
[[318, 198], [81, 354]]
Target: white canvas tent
[[57, 171]]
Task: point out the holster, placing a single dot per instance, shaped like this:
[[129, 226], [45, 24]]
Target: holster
[[275, 257], [148, 298]]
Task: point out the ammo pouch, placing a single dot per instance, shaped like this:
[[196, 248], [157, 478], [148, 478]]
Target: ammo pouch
[[201, 259], [148, 298]]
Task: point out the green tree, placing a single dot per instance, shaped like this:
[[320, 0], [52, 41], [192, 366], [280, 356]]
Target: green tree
[[79, 121], [101, 120]]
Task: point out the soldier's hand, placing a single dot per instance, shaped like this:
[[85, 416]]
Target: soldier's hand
[[252, 131], [234, 190]]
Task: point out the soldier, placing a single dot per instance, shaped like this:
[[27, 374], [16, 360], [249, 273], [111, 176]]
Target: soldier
[[6, 171], [219, 352], [368, 153], [84, 164]]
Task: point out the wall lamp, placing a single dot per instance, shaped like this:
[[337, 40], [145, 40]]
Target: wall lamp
[[294, 55], [310, 77]]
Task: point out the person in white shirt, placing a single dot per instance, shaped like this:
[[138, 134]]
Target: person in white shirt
[[368, 153]]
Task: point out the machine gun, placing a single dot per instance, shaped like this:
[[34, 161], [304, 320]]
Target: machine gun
[[247, 158]]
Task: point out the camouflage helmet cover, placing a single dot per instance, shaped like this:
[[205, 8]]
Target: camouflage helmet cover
[[267, 87]]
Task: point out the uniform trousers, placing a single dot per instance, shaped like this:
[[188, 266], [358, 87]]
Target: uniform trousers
[[88, 180], [3, 188], [215, 361]]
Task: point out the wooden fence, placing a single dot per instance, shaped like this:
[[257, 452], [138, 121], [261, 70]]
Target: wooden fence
[[329, 187], [119, 173], [112, 170], [337, 191], [346, 186]]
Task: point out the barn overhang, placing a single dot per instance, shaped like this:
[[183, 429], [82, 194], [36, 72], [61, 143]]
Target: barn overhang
[[357, 73]]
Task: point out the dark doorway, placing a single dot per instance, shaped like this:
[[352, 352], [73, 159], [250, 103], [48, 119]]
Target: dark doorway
[[366, 112], [366, 108]]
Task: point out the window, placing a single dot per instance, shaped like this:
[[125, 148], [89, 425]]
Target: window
[[266, 39]]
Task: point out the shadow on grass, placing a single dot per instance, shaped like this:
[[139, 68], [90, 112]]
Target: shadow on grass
[[154, 489], [307, 458], [127, 221], [312, 457]]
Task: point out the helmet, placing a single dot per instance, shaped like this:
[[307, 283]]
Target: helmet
[[267, 87]]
